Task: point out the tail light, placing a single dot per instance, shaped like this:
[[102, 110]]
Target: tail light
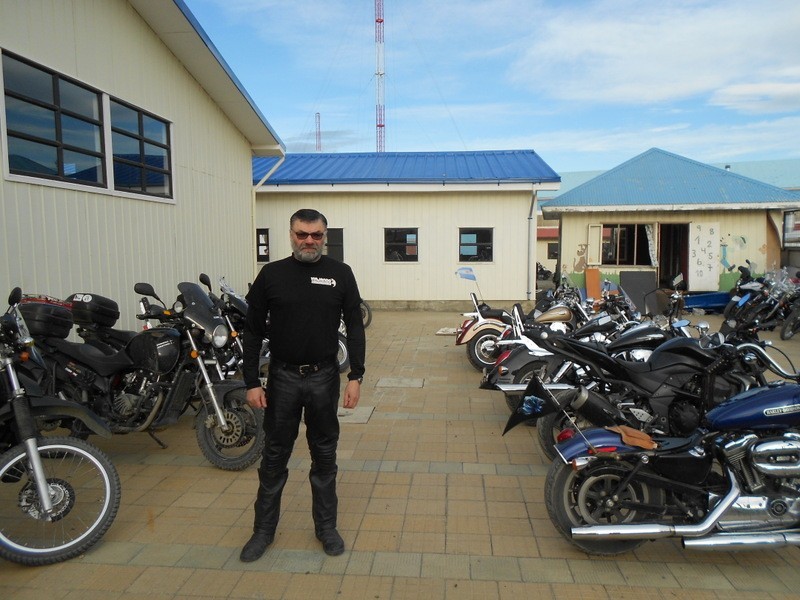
[[565, 434], [503, 355]]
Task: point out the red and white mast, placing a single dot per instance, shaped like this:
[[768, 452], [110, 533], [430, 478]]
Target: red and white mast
[[380, 125]]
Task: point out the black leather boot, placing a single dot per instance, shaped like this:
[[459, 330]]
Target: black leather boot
[[324, 507], [267, 510]]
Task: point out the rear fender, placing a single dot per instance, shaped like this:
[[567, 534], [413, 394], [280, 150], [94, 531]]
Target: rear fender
[[591, 442], [477, 327]]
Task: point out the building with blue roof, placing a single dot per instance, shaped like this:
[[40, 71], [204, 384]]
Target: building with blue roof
[[660, 214], [408, 222]]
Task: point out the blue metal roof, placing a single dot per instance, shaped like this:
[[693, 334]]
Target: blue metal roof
[[659, 178], [501, 166]]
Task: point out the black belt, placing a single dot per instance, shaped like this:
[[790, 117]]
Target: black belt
[[302, 370]]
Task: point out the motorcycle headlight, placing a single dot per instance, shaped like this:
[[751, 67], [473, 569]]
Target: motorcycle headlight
[[219, 337]]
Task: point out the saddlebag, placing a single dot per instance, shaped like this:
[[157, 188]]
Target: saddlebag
[[46, 319], [93, 309]]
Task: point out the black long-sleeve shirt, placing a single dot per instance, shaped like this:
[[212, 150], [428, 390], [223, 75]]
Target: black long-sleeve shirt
[[305, 302]]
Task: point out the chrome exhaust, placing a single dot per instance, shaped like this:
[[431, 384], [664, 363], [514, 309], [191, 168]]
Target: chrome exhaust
[[648, 531], [744, 541]]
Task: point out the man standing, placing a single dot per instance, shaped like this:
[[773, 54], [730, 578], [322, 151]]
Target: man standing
[[304, 296]]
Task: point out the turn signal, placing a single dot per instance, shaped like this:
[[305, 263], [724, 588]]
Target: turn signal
[[23, 356], [194, 354]]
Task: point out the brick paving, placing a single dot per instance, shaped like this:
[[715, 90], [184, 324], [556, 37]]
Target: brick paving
[[434, 503]]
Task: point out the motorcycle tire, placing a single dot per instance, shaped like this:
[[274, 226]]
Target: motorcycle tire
[[731, 310], [584, 497], [791, 325], [242, 446], [343, 356], [481, 349], [366, 313], [540, 366], [85, 489]]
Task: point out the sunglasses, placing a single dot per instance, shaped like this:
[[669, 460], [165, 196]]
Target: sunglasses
[[304, 235]]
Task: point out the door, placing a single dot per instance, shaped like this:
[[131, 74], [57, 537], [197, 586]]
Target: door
[[673, 252]]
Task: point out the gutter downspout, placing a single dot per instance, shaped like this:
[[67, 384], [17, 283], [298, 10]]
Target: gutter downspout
[[253, 205], [531, 242]]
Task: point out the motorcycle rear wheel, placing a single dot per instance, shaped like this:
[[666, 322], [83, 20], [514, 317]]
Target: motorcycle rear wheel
[[239, 448], [85, 491], [366, 313], [540, 366], [791, 325], [481, 348], [587, 497]]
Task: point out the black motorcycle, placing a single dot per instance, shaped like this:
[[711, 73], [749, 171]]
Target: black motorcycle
[[161, 373], [58, 495], [668, 393]]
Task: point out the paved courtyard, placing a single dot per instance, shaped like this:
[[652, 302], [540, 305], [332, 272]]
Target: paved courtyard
[[434, 503]]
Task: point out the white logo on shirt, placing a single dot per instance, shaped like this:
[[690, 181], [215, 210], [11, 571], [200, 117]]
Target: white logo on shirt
[[324, 281]]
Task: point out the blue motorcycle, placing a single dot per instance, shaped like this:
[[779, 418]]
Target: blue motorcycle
[[733, 483]]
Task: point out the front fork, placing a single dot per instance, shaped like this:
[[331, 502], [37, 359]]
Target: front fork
[[28, 434], [215, 403]]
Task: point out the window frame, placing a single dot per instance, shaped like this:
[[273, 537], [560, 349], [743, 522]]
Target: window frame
[[484, 251], [629, 242], [399, 248], [108, 185]]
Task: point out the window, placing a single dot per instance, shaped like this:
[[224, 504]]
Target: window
[[141, 151], [552, 250], [53, 125], [55, 129], [625, 245], [335, 244], [475, 244], [400, 245], [262, 245]]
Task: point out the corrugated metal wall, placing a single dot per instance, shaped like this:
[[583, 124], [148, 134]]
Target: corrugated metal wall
[[57, 240], [438, 217]]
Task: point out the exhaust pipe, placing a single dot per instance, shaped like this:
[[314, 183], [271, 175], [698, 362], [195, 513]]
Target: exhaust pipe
[[649, 531], [743, 541]]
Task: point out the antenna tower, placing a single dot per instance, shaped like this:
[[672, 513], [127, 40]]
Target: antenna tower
[[319, 135], [380, 125]]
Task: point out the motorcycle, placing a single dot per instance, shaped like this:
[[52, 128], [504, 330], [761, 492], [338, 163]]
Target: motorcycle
[[668, 393], [542, 274], [744, 290], [480, 332], [161, 373], [729, 484], [792, 323], [58, 495]]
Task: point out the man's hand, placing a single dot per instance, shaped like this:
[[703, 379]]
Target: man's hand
[[352, 392], [257, 397]]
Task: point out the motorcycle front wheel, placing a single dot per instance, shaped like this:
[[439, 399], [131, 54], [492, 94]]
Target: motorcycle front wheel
[[84, 488], [791, 325], [242, 444], [592, 496], [366, 313]]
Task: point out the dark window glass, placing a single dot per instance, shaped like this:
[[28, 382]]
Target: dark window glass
[[30, 119], [625, 245], [48, 119], [26, 80], [335, 243], [32, 158], [552, 250], [78, 100], [140, 144], [400, 245], [475, 244], [262, 245], [81, 134]]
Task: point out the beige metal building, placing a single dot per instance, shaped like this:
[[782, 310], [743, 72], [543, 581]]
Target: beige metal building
[[126, 147]]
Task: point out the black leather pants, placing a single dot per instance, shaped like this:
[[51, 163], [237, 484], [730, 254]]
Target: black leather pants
[[290, 397]]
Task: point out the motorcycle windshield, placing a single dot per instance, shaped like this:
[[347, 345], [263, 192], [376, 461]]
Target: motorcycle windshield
[[198, 308]]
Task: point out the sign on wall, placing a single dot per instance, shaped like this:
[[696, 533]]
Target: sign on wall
[[704, 256]]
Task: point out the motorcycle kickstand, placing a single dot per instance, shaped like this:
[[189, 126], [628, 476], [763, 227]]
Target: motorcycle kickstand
[[157, 441]]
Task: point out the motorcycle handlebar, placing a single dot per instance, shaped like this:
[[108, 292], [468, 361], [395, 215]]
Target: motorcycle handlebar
[[772, 365]]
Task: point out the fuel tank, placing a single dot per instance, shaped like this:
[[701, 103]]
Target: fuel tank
[[156, 350], [776, 406]]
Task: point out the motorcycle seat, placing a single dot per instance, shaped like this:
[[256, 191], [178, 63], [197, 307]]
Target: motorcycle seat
[[94, 358]]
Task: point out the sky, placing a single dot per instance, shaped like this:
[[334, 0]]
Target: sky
[[587, 84]]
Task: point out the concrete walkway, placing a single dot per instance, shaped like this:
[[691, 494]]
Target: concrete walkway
[[434, 503]]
